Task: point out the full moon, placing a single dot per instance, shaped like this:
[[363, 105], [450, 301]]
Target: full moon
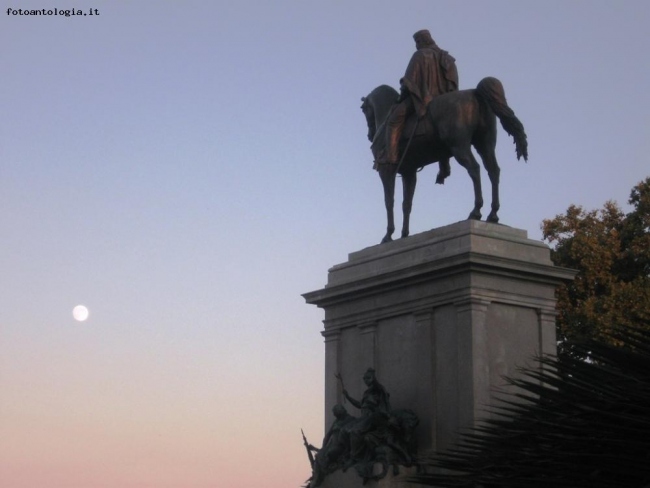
[[80, 313]]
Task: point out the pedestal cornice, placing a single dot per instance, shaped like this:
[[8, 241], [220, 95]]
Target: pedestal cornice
[[463, 251]]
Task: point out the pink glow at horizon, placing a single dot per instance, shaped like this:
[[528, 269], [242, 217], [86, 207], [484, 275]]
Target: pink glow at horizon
[[102, 426]]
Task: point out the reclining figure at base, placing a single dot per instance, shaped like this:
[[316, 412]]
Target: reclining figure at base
[[379, 436]]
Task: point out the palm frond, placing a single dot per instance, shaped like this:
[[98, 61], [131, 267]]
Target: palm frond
[[573, 423]]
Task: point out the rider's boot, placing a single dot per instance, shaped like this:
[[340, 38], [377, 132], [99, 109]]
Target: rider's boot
[[444, 170], [392, 144]]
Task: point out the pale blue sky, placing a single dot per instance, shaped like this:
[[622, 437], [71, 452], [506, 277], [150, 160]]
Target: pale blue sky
[[187, 170]]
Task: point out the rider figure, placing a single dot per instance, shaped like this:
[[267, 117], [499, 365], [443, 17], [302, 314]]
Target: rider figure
[[375, 412], [431, 72]]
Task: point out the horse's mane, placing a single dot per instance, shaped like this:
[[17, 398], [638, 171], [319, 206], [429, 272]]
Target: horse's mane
[[384, 89], [383, 96], [381, 99]]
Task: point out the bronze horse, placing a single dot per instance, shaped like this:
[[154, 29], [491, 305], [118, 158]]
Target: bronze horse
[[456, 121]]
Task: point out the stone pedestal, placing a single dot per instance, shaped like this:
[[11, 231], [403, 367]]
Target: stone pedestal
[[442, 316]]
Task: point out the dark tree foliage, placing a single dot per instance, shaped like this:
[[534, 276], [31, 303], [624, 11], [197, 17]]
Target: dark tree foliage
[[611, 251], [574, 424]]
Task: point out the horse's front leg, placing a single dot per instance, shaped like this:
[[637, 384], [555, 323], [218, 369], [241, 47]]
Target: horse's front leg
[[387, 173], [409, 180]]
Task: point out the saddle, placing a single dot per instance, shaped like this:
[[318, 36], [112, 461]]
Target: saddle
[[378, 146], [425, 126]]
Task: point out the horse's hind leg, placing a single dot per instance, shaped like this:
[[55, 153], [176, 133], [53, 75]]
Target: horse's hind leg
[[387, 173], [409, 180], [467, 160], [494, 172]]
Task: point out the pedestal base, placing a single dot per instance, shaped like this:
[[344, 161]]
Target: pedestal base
[[442, 316], [350, 479]]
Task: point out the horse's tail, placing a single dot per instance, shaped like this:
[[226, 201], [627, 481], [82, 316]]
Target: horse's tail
[[491, 91]]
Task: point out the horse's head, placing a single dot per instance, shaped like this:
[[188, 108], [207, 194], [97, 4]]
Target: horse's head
[[369, 112], [376, 107]]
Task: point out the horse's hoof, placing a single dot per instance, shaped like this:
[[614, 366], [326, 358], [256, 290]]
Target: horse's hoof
[[386, 239], [474, 216], [492, 218]]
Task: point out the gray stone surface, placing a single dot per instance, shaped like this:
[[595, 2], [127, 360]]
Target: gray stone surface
[[441, 316]]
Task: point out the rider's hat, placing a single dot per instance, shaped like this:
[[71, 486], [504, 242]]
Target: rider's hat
[[423, 37]]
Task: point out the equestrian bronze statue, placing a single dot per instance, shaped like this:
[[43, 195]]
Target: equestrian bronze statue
[[437, 123]]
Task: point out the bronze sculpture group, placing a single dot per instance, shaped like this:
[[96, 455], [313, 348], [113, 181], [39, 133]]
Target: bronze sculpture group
[[379, 436], [431, 121]]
